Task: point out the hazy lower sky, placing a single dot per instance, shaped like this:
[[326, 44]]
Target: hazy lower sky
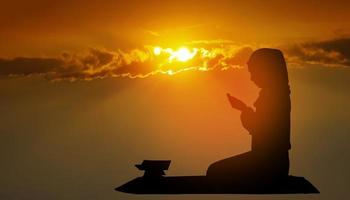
[[90, 88]]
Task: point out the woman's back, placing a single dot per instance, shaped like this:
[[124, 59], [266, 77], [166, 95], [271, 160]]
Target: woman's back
[[272, 122]]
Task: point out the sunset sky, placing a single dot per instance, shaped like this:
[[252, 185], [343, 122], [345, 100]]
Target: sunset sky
[[90, 88]]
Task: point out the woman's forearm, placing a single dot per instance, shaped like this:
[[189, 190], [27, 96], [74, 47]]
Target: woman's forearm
[[248, 119]]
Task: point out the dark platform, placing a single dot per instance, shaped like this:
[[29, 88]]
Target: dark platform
[[202, 185]]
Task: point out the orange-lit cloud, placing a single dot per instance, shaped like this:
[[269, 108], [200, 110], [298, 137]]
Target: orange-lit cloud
[[152, 60], [137, 63]]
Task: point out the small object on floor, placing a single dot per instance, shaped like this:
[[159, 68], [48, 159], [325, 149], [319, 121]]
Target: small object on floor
[[153, 168]]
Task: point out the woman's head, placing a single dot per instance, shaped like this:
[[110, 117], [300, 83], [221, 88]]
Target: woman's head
[[268, 69]]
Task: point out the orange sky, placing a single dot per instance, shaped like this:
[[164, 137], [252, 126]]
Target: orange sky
[[89, 39], [77, 139], [46, 28]]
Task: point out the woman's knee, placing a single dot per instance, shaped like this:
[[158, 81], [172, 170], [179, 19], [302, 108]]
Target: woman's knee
[[213, 169], [222, 167]]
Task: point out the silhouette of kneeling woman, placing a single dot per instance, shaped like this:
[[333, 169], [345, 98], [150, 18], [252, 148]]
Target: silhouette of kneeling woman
[[264, 169], [268, 124]]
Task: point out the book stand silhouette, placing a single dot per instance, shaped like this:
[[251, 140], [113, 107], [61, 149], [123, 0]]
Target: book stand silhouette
[[153, 182]]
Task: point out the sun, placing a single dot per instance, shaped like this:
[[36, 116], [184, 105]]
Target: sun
[[183, 54], [157, 51]]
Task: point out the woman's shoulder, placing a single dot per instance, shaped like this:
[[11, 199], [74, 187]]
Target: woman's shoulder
[[269, 98]]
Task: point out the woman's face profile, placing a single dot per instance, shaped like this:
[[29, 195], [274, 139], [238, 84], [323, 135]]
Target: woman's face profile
[[254, 76]]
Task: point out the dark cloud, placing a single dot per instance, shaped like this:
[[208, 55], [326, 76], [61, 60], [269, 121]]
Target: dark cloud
[[95, 63], [334, 53], [29, 66]]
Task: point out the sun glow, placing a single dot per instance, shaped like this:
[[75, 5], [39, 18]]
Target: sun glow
[[171, 61], [182, 54], [157, 51]]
